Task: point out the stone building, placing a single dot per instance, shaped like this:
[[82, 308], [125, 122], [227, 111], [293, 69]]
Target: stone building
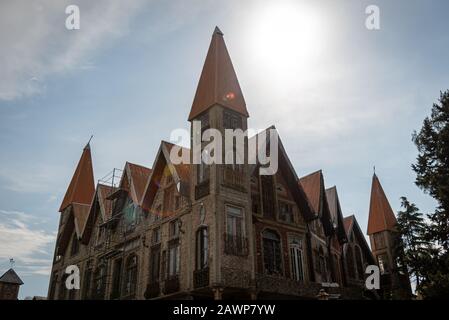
[[203, 231], [10, 284]]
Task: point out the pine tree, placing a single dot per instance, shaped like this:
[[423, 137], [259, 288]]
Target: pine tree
[[432, 167], [432, 176], [412, 249]]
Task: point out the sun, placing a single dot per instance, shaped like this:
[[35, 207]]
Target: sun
[[286, 36]]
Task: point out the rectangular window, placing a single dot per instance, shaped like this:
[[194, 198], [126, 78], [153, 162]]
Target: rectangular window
[[268, 197], [296, 259], [173, 260], [116, 279], [130, 215], [155, 257], [379, 240], [202, 245], [156, 236], [285, 212], [174, 229], [234, 221], [235, 231], [164, 264]]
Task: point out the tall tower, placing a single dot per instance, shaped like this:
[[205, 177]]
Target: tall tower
[[383, 238], [220, 193], [79, 193]]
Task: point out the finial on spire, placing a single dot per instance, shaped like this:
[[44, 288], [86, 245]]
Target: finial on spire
[[217, 31], [12, 262], [88, 142], [374, 170]]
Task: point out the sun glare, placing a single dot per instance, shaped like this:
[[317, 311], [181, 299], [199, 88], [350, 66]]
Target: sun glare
[[286, 37]]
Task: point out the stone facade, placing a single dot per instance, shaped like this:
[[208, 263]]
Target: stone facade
[[201, 231]]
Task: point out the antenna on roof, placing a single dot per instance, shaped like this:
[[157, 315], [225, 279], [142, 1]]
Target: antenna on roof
[[88, 142]]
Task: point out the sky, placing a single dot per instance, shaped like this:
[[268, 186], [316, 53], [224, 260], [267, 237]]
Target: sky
[[343, 98]]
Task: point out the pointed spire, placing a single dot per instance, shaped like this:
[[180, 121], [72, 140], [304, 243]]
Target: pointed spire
[[81, 188], [381, 216], [218, 83], [88, 142]]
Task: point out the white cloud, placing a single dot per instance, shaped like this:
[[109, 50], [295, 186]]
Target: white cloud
[[36, 44], [29, 247]]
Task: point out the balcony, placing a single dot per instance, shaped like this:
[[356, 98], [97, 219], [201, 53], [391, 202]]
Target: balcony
[[171, 285], [234, 178], [201, 278], [235, 245]]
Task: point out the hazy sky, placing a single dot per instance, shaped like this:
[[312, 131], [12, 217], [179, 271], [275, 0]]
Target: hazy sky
[[343, 98]]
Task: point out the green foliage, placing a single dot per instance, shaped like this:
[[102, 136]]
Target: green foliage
[[412, 250], [432, 167], [426, 245]]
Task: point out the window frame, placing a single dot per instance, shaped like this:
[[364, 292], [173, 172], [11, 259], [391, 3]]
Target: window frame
[[297, 268], [275, 243], [202, 248]]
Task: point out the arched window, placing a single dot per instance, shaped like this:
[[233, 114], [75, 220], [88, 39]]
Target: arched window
[[202, 248], [272, 252], [131, 276]]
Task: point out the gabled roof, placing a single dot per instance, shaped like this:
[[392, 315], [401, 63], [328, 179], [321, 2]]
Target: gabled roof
[[80, 214], [99, 204], [139, 177], [77, 220], [335, 211], [11, 276], [218, 82], [313, 185], [287, 170], [381, 216], [352, 226], [348, 222], [82, 187], [179, 172]]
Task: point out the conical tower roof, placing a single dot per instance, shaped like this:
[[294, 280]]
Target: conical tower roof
[[381, 216], [218, 83]]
